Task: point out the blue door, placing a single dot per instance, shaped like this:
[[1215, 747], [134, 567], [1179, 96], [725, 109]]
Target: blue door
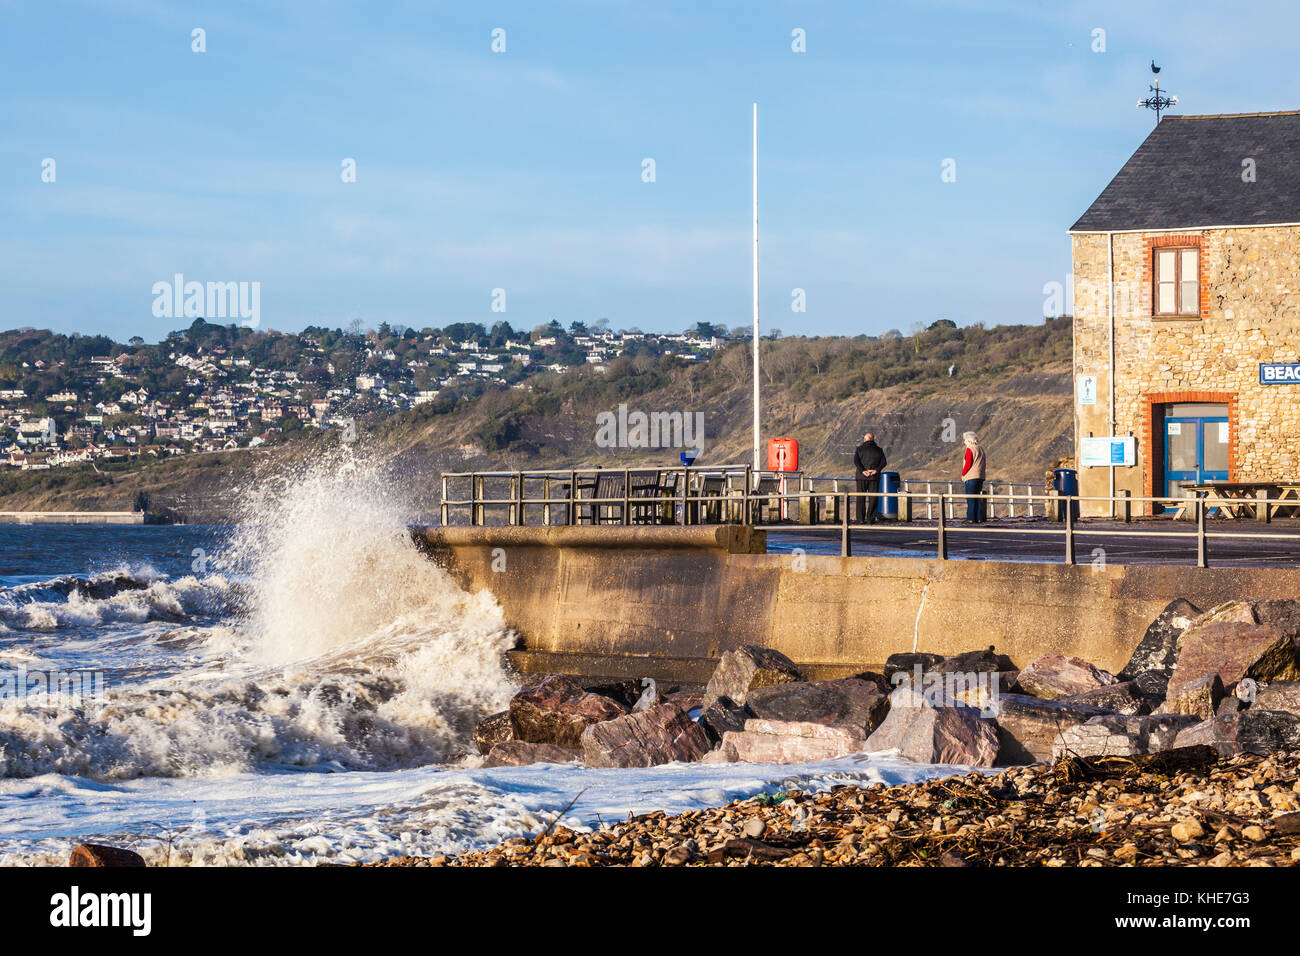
[[1196, 451]]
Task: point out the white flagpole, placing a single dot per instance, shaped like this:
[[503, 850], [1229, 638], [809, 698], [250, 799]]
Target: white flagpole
[[758, 463]]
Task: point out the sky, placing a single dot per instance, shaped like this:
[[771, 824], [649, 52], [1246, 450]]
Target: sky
[[524, 169]]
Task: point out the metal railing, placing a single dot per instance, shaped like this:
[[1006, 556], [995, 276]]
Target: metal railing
[[570, 506], [730, 494], [1012, 498]]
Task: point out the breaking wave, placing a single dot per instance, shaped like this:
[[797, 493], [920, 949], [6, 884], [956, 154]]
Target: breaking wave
[[111, 597], [341, 646]]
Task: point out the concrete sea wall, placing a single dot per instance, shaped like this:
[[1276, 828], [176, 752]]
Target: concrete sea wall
[[666, 602]]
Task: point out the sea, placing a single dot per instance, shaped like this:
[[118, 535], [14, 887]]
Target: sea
[[298, 687]]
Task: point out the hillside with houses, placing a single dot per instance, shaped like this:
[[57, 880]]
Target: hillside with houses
[[68, 401]]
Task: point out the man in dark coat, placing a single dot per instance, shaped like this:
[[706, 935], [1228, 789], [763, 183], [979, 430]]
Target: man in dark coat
[[868, 462]]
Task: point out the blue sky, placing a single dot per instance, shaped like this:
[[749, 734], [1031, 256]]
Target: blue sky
[[522, 170]]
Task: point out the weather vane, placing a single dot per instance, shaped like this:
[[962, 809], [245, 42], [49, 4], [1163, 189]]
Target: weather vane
[[1157, 101]]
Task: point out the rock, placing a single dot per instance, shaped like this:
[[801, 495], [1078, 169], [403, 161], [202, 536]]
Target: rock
[[686, 700], [1059, 675], [557, 710], [1284, 615], [908, 662], [1279, 695], [1255, 639], [1287, 822], [493, 730], [931, 729], [1230, 612], [626, 692], [660, 734], [1251, 731], [1152, 662], [975, 662], [97, 854], [521, 753], [1233, 650], [1200, 698], [755, 828], [1126, 697], [872, 677], [723, 715], [723, 753], [1028, 727], [1229, 705], [853, 704], [676, 856], [973, 687], [1118, 735], [747, 668], [777, 741], [1186, 830]]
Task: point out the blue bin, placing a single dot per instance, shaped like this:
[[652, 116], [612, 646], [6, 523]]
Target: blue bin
[[890, 483], [1067, 483]]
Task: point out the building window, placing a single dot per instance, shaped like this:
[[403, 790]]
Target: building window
[[1177, 281]]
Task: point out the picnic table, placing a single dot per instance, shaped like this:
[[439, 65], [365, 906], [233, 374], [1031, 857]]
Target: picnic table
[[1262, 500]]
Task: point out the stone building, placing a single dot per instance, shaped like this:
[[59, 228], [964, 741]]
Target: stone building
[[1187, 311]]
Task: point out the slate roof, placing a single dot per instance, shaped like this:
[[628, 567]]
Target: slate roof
[[1187, 175]]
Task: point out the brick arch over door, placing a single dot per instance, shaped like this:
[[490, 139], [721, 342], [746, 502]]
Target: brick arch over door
[[1148, 435]]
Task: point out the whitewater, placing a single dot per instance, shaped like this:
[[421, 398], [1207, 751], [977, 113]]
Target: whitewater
[[299, 687]]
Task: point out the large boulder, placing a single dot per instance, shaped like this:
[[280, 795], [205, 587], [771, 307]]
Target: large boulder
[[970, 662], [874, 677], [1028, 727], [1152, 662], [975, 662], [660, 734], [930, 728], [1281, 614], [1279, 695], [1200, 698], [747, 668], [853, 704], [627, 692], [1117, 735], [1236, 640], [781, 741], [1251, 731], [908, 661], [722, 715], [493, 730], [521, 753], [1127, 697], [556, 710], [1059, 675]]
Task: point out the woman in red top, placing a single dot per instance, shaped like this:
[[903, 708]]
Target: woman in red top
[[972, 473]]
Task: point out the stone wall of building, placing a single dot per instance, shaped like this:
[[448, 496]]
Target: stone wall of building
[[1250, 313]]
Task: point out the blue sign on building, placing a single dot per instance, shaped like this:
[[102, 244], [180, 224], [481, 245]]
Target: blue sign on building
[[1279, 373]]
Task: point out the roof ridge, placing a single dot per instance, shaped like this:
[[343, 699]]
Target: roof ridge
[[1191, 116]]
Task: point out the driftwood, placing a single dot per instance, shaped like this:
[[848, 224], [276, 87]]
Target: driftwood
[[1071, 769]]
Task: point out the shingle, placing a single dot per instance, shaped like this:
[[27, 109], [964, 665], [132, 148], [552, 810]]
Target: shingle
[[1187, 175]]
